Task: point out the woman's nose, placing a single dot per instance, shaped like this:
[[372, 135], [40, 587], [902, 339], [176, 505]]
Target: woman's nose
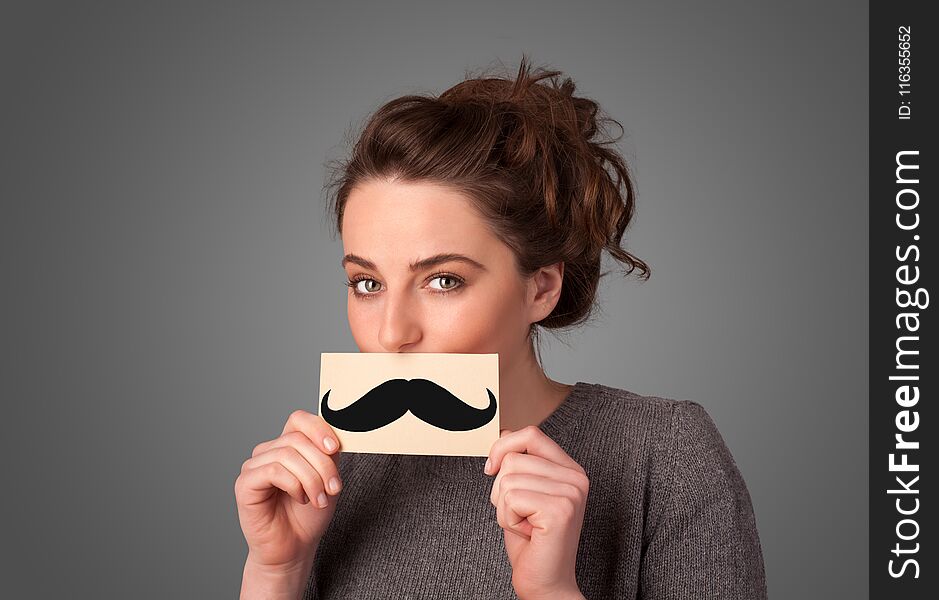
[[400, 325]]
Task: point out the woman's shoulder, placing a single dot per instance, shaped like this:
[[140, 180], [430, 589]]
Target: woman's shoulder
[[676, 439], [677, 417], [694, 483]]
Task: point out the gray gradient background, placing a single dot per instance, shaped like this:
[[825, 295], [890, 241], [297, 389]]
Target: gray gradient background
[[169, 281]]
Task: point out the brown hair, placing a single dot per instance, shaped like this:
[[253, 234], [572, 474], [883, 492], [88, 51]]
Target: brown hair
[[533, 159]]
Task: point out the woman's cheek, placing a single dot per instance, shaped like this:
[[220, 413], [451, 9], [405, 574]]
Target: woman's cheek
[[364, 321], [469, 324]]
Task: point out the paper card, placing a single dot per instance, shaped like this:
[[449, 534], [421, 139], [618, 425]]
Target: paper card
[[411, 403]]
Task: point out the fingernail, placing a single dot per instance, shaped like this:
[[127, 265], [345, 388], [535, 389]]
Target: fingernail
[[334, 485], [329, 443], [321, 500], [488, 465]]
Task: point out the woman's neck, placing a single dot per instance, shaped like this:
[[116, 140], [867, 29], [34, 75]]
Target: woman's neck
[[527, 395]]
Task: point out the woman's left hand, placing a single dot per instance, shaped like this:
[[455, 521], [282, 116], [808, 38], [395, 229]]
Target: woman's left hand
[[540, 495]]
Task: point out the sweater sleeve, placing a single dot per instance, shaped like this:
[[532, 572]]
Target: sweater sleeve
[[705, 544]]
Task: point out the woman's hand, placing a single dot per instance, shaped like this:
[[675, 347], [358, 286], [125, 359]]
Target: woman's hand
[[540, 495], [283, 493]]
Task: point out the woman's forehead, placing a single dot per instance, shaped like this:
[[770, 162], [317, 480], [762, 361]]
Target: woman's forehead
[[423, 219]]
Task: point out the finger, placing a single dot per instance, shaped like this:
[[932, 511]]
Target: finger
[[536, 465], [317, 440], [324, 464], [258, 485], [510, 521], [530, 440], [543, 512], [509, 533], [537, 483], [290, 458], [315, 428]]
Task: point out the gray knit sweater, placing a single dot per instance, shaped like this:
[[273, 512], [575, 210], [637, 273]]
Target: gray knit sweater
[[668, 515]]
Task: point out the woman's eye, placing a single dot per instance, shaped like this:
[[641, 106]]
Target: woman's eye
[[369, 285], [447, 282]]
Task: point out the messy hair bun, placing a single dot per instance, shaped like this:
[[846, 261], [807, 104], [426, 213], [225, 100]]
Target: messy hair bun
[[533, 158]]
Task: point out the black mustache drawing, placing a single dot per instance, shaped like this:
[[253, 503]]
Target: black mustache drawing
[[388, 402]]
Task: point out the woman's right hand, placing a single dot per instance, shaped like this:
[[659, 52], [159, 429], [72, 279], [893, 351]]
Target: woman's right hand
[[278, 489]]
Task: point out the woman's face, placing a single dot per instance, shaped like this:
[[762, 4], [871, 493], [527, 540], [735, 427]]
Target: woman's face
[[412, 291]]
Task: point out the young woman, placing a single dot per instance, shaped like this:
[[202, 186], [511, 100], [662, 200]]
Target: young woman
[[468, 222]]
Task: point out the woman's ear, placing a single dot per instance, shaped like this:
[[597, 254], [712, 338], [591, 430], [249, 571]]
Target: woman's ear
[[544, 291]]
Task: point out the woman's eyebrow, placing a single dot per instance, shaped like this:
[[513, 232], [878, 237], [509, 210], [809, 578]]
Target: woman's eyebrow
[[420, 265]]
